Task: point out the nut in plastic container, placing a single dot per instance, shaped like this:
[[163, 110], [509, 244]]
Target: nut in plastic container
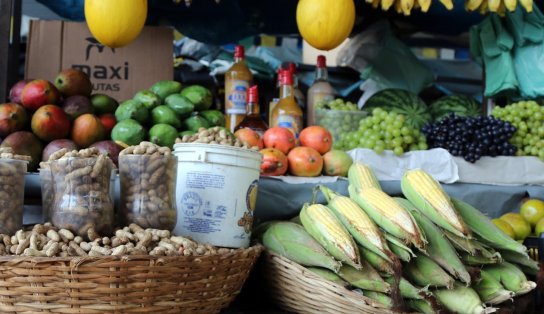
[[148, 175], [12, 189], [82, 194]]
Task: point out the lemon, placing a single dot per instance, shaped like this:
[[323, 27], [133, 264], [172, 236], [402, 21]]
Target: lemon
[[521, 227], [532, 211], [505, 227]]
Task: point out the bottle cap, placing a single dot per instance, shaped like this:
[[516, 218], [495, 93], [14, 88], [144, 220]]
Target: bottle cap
[[321, 61], [253, 94], [239, 51], [286, 77], [292, 67]]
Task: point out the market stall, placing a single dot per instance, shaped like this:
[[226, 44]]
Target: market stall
[[204, 157]]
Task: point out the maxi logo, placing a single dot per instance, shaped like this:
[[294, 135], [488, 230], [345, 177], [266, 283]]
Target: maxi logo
[[105, 72], [93, 43]]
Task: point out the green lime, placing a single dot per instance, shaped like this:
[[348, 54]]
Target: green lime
[[163, 135], [103, 104], [149, 99], [194, 123], [165, 115], [132, 109], [128, 131]]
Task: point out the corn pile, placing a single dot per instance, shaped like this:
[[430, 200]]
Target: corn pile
[[446, 253], [405, 7]]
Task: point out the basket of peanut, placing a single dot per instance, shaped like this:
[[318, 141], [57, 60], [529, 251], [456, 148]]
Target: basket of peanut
[[82, 263]]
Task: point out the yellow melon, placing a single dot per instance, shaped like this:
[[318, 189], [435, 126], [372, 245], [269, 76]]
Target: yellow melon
[[325, 24], [115, 23]]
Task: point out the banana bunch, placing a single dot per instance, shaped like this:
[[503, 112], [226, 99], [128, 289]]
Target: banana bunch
[[497, 6], [427, 247], [405, 6]]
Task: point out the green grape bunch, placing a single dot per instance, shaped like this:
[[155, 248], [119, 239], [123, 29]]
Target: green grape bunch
[[528, 118], [382, 131]]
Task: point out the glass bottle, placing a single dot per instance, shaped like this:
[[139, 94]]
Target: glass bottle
[[299, 95], [287, 113], [253, 118], [237, 81], [275, 100], [321, 89]]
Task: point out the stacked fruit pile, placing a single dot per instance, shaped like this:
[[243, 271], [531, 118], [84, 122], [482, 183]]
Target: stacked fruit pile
[[528, 222], [384, 130], [471, 138], [446, 253], [168, 111], [309, 156], [62, 114]]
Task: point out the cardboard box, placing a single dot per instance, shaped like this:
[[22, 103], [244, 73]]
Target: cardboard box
[[120, 72]]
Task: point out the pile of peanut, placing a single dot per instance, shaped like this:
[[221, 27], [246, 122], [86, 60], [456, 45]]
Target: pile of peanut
[[215, 135], [148, 174], [12, 187], [82, 195], [44, 240]]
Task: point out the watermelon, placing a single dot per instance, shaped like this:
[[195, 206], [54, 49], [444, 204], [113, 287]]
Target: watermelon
[[402, 102], [461, 105]]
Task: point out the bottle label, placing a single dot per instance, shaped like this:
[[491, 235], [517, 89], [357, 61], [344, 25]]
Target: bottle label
[[237, 98], [291, 122]]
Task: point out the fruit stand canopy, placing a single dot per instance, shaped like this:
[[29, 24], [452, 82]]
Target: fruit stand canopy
[[232, 20]]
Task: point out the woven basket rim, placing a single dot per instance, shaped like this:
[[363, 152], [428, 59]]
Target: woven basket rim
[[128, 258], [297, 269]]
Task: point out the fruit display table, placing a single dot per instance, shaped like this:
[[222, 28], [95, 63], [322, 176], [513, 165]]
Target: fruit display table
[[280, 200]]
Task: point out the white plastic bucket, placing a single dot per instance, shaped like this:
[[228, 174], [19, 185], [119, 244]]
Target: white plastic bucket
[[216, 193]]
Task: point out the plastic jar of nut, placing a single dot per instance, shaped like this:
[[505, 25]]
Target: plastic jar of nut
[[82, 193], [12, 190], [148, 175], [47, 189]]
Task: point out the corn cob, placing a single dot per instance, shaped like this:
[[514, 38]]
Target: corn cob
[[424, 271], [357, 222], [475, 260], [398, 247], [511, 277], [462, 299], [367, 278], [482, 226], [322, 225], [389, 215], [461, 244], [520, 260], [421, 306], [260, 229], [407, 289], [361, 176], [490, 290], [376, 261], [429, 197], [293, 242], [438, 247], [379, 297], [328, 275], [296, 220]]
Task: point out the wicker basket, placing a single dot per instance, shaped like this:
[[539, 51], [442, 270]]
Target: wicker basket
[[296, 289], [130, 284]]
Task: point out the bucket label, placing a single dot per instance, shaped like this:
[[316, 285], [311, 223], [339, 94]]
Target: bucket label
[[191, 203], [251, 200], [204, 180]]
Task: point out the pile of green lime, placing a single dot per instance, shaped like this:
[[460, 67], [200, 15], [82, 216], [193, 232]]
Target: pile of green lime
[[165, 112]]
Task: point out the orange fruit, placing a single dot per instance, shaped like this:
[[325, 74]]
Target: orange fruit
[[505, 227], [539, 228], [521, 227], [532, 211]]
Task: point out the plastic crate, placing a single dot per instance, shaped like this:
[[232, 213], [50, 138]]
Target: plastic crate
[[535, 245], [339, 121]]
